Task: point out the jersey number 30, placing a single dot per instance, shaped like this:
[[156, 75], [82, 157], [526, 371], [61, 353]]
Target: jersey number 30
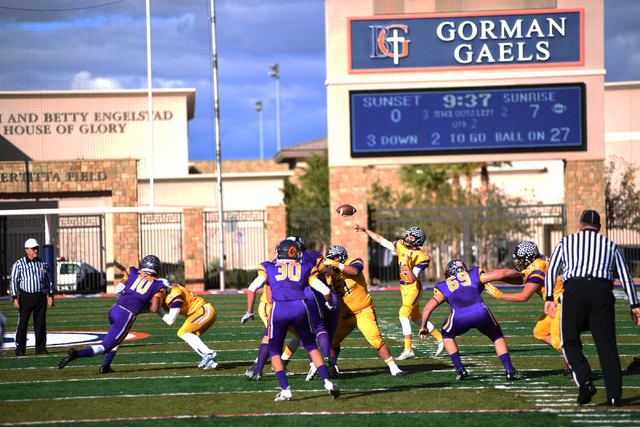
[[287, 270]]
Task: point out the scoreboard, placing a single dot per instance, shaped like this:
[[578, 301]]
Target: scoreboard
[[507, 119]]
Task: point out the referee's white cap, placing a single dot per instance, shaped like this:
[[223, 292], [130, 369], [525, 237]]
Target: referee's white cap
[[31, 243]]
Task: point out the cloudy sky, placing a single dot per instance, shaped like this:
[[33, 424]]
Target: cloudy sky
[[102, 46]]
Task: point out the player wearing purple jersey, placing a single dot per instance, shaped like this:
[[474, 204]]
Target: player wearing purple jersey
[[462, 291], [287, 278], [140, 288], [325, 321]]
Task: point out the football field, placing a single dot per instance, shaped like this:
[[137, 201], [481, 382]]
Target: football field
[[157, 382]]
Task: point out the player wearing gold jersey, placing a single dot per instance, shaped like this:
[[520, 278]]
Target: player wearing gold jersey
[[356, 305], [413, 261], [200, 316], [533, 268]]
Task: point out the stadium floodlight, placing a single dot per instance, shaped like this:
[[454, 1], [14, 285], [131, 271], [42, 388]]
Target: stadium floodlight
[[275, 73], [258, 108]]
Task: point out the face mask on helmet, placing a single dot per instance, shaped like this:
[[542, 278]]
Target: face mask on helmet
[[524, 254], [300, 241], [337, 253], [454, 267], [288, 250], [150, 264], [415, 237]]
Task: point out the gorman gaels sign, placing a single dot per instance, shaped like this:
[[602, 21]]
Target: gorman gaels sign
[[498, 40]]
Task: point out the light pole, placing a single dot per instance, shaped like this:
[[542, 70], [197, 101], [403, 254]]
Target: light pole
[[275, 72], [258, 108]]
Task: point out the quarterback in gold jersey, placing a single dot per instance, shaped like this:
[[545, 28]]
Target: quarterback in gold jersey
[[356, 305], [533, 268], [413, 261], [200, 316]]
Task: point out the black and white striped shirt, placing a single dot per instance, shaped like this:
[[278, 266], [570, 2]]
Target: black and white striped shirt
[[31, 276], [589, 254]]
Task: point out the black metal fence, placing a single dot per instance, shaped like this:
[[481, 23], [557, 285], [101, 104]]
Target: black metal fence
[[483, 236], [623, 227], [313, 224], [78, 247], [161, 235], [245, 243]]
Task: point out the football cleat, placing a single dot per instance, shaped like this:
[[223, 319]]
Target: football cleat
[[288, 372], [398, 373], [440, 347], [284, 395], [331, 367], [461, 374], [250, 372], [256, 376], [407, 354], [106, 369], [212, 364], [207, 357], [514, 376], [635, 365], [332, 389], [313, 373], [71, 355]]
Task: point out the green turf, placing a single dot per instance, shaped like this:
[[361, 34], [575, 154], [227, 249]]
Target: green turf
[[158, 383]]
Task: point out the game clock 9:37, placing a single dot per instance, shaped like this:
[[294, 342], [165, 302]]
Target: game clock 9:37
[[469, 100]]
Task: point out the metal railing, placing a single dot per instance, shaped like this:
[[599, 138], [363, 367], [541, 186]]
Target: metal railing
[[313, 225], [161, 235], [245, 243], [623, 228], [484, 236]]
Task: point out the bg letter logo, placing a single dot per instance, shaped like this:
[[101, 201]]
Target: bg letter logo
[[388, 42]]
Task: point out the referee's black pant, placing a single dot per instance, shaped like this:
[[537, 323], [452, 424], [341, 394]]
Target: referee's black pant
[[36, 304], [588, 304]]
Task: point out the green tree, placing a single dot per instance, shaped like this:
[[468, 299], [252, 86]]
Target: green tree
[[312, 189]]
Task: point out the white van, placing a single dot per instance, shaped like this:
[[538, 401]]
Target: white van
[[75, 276]]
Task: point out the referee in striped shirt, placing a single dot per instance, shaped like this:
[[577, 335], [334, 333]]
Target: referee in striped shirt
[[589, 260], [32, 292]]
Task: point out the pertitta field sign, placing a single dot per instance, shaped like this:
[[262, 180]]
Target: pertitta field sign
[[468, 120], [494, 40]]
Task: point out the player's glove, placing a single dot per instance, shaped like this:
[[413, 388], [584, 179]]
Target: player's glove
[[246, 318], [331, 263], [330, 307], [493, 291]]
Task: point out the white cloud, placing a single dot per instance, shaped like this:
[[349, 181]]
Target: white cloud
[[83, 81]]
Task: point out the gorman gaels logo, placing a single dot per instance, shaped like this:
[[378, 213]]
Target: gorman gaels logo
[[389, 41]]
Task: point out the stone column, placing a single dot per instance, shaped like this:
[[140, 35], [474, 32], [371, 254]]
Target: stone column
[[584, 184], [126, 250], [276, 228], [348, 185], [194, 249]]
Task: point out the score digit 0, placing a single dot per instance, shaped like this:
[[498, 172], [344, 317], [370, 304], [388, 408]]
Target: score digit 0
[[396, 115]]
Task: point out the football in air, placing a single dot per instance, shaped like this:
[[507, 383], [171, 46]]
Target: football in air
[[346, 210]]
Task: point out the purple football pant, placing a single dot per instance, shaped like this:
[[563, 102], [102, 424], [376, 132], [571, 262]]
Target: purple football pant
[[477, 316], [290, 313], [121, 321]]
